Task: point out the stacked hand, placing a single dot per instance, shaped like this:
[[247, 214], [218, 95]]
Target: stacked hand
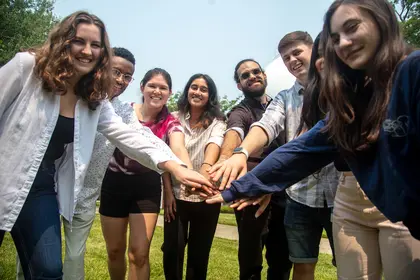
[[227, 170], [224, 171]]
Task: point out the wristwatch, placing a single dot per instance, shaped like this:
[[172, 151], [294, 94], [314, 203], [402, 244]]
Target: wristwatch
[[241, 150]]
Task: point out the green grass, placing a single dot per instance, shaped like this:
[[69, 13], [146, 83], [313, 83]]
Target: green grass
[[223, 259]]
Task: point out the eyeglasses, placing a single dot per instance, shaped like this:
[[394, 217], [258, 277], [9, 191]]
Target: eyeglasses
[[126, 77], [254, 72]]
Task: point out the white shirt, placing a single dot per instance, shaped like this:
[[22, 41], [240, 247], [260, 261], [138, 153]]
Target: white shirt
[[28, 115], [102, 154]]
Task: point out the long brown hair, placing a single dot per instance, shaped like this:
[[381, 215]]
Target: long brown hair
[[357, 104], [55, 67]]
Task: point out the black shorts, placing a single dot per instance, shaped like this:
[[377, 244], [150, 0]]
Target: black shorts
[[123, 194]]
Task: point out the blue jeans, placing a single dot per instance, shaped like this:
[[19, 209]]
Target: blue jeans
[[304, 225], [36, 233]]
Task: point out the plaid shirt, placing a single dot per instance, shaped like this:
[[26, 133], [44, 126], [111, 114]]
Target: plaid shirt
[[283, 115]]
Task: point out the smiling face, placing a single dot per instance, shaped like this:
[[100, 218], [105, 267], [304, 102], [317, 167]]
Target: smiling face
[[252, 80], [122, 71], [85, 48], [198, 94], [355, 36], [156, 92], [297, 58]]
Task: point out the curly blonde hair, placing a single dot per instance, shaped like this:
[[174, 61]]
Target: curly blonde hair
[[55, 68]]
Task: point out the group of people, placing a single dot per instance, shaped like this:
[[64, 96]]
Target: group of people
[[335, 152]]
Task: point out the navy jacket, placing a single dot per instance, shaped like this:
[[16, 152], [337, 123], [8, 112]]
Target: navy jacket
[[388, 172]]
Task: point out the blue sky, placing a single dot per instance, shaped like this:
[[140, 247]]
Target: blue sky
[[200, 36]]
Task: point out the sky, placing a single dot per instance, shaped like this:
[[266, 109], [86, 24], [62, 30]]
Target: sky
[[186, 37]]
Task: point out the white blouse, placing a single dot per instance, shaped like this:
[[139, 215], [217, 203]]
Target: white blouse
[[28, 115]]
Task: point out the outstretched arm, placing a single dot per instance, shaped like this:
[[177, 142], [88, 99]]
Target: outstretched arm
[[285, 166]]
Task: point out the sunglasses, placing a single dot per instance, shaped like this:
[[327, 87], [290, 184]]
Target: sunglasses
[[254, 72]]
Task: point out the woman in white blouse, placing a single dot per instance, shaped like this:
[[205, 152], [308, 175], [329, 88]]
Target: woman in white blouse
[[187, 217], [52, 102]]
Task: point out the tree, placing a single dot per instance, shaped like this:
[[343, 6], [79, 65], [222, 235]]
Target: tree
[[24, 24], [225, 103], [172, 102], [408, 12]]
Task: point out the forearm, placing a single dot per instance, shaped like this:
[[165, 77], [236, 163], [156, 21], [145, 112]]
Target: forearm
[[231, 141], [255, 140], [177, 145], [166, 181], [182, 153], [286, 166], [141, 144], [211, 154]]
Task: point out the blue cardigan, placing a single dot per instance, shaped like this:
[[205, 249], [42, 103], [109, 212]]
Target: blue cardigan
[[387, 172]]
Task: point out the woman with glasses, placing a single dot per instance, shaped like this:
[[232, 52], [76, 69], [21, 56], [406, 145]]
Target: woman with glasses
[[131, 192]]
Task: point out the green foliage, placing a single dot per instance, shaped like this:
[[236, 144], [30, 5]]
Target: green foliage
[[172, 102], [24, 24], [408, 13], [225, 103]]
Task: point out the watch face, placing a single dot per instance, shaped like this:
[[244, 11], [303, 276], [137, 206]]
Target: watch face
[[238, 150]]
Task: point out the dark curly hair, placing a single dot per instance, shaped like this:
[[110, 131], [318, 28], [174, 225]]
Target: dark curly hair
[[212, 109], [54, 66], [124, 53]]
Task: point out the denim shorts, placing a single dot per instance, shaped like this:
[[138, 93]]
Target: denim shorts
[[304, 226]]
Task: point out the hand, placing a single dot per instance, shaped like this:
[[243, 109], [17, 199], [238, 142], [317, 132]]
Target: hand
[[263, 201], [204, 170], [169, 205], [231, 169], [189, 178], [215, 199]]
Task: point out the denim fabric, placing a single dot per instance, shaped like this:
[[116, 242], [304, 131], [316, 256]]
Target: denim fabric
[[304, 227], [36, 233]]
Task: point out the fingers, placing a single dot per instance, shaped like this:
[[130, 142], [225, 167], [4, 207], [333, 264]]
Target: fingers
[[225, 178], [215, 199], [242, 173], [232, 177], [261, 209], [173, 210], [216, 176], [166, 215], [245, 204], [237, 203], [215, 167], [263, 202], [259, 200]]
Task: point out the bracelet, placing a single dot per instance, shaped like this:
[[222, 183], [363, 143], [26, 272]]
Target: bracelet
[[207, 164]]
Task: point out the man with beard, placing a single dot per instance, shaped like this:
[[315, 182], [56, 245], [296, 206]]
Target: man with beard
[[252, 230], [309, 202]]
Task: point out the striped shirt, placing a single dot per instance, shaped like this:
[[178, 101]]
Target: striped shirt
[[283, 115], [196, 141]]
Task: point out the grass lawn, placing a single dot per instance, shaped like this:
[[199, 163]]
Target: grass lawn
[[223, 259]]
